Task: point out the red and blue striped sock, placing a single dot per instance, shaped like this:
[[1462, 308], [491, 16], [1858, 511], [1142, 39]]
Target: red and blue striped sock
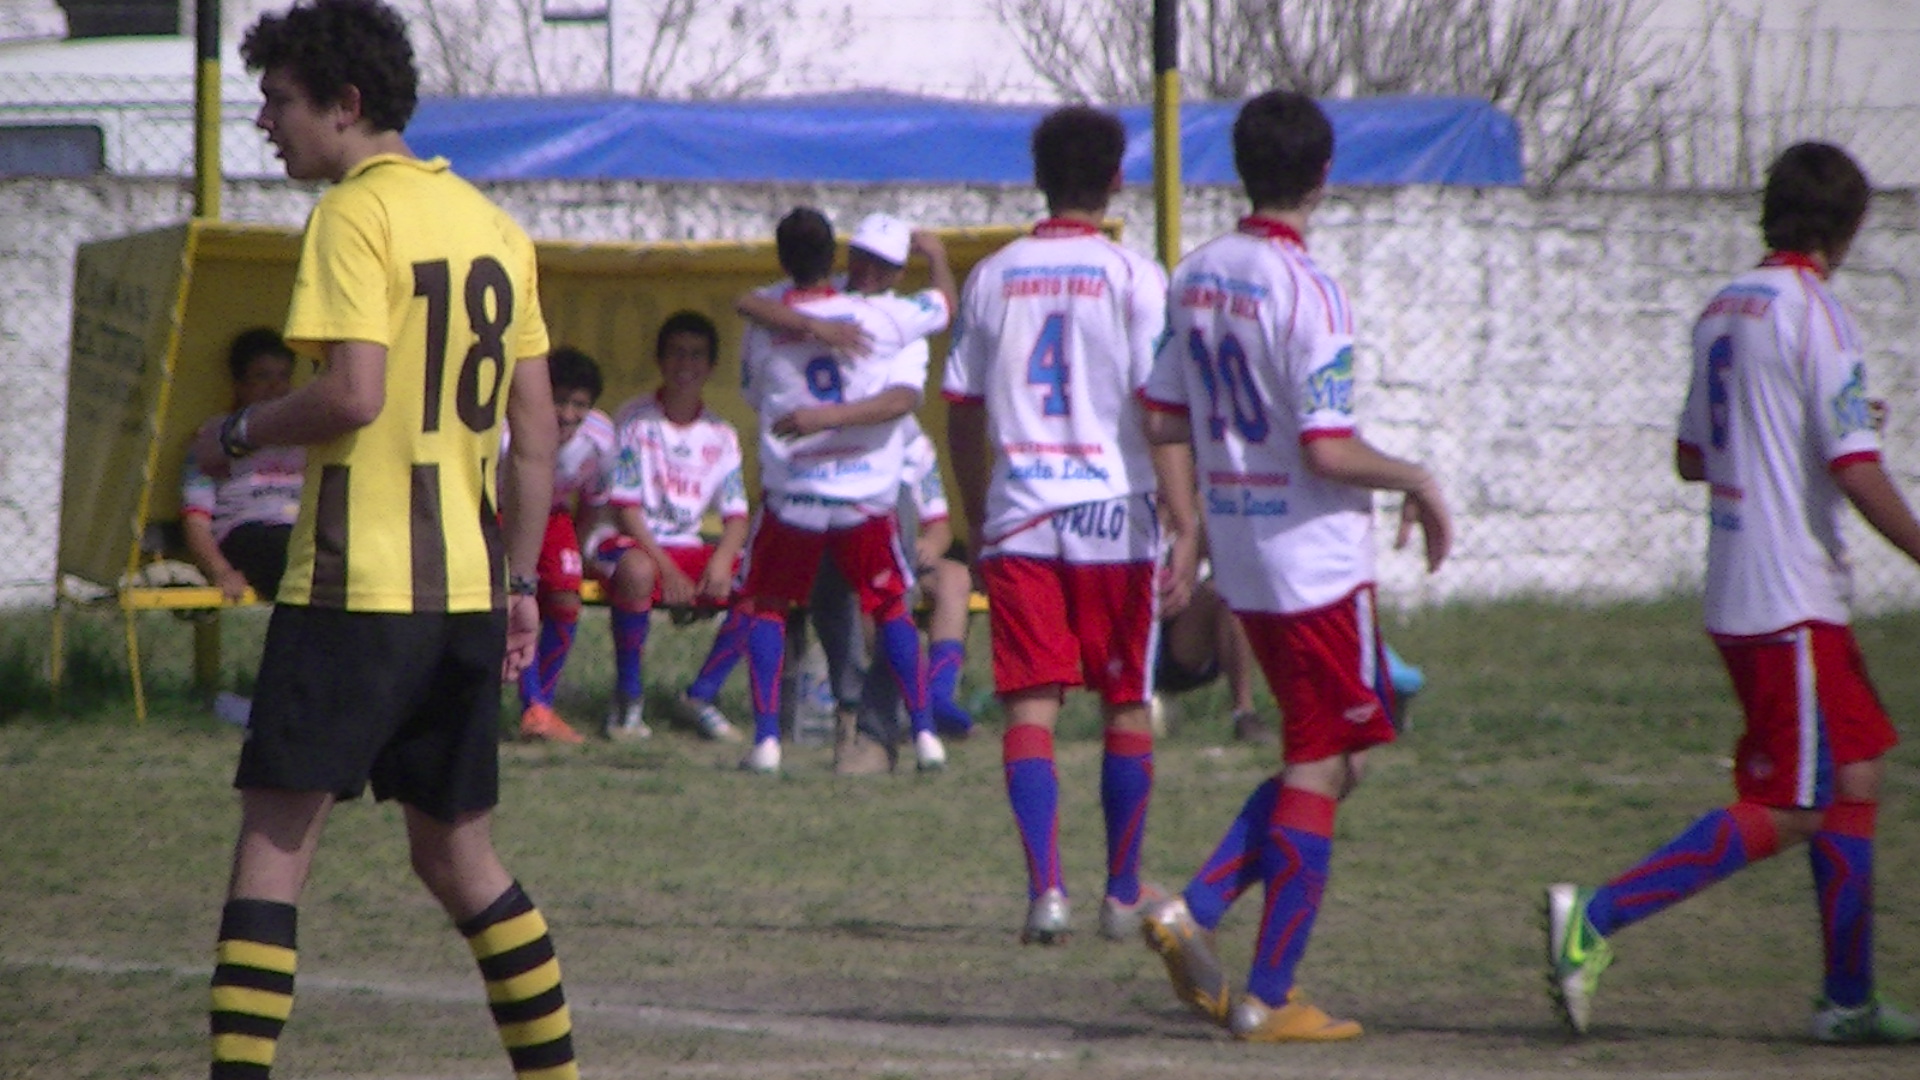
[[1842, 857], [1126, 786], [629, 643], [900, 643], [766, 656], [729, 646], [1033, 789], [945, 657], [1718, 845], [1234, 865], [542, 677], [1294, 864]]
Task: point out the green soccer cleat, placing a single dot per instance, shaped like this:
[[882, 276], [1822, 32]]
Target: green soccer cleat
[[1875, 1022], [1576, 954]]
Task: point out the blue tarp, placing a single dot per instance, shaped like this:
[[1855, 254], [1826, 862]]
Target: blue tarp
[[882, 138]]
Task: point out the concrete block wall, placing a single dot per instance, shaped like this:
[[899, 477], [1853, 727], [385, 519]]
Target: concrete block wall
[[1532, 349]]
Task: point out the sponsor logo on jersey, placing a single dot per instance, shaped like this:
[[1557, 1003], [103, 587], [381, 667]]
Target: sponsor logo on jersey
[[1331, 388], [1851, 411]]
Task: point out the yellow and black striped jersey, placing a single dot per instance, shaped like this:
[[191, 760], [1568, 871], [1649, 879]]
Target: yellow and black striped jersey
[[398, 516]]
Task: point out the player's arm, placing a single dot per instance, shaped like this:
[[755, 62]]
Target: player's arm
[[928, 243], [526, 495], [204, 550], [676, 588], [346, 395], [1170, 441], [717, 580], [1350, 459], [1872, 492], [841, 335], [1689, 462], [972, 460], [890, 404]]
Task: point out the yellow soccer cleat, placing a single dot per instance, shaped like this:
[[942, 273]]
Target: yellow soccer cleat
[[1171, 931], [1299, 1020]]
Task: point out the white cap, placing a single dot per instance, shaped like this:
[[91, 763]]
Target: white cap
[[884, 237]]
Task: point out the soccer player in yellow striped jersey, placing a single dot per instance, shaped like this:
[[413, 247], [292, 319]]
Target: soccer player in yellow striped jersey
[[408, 595]]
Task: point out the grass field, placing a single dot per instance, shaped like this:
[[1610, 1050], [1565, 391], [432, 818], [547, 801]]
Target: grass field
[[714, 924]]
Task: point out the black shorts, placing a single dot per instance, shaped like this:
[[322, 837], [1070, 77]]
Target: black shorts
[[410, 702], [259, 552]]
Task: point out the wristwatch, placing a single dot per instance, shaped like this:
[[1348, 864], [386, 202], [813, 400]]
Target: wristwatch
[[233, 435]]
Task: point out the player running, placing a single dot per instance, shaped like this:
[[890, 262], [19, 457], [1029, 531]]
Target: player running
[[1255, 383], [1778, 424], [1050, 453]]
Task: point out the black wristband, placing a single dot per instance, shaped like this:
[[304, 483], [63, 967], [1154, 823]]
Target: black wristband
[[522, 586], [233, 435]]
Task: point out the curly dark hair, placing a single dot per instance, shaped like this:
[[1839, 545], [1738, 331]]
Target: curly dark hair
[[1815, 199], [1076, 153], [1282, 144], [804, 240], [569, 368], [252, 344], [688, 322], [329, 45]]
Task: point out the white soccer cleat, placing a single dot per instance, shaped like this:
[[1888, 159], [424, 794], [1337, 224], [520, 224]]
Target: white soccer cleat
[[1049, 920], [626, 721], [764, 758], [708, 720], [931, 754]]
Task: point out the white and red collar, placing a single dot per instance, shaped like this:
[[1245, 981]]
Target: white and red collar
[[1271, 229], [1055, 228], [1799, 260]]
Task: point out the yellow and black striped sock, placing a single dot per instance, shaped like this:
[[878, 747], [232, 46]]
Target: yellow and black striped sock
[[515, 953], [252, 987]]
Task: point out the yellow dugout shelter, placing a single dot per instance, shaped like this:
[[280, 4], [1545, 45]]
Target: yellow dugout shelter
[[155, 311]]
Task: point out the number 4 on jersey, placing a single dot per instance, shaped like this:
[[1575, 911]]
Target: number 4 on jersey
[[1047, 365]]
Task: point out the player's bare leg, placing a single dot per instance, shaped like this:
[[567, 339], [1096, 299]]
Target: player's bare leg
[[506, 933], [252, 988]]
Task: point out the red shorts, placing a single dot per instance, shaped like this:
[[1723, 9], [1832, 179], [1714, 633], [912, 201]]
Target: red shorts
[[692, 562], [1071, 624], [1809, 706], [783, 559], [1328, 670], [559, 565]]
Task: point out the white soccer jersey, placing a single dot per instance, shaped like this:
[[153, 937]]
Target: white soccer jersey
[[675, 472], [782, 373], [1056, 334], [1259, 354], [920, 476], [1778, 400], [581, 465]]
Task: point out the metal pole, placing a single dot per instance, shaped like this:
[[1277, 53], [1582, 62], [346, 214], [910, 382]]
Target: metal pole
[[1166, 129], [206, 110]]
